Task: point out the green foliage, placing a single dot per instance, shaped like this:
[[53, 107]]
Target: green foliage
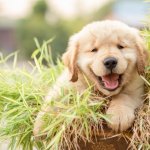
[[40, 7], [33, 26], [36, 25]]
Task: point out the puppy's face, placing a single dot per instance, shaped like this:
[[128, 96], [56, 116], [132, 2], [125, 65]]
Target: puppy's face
[[108, 53]]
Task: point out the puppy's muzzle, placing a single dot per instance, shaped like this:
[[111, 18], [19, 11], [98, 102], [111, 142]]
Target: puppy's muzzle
[[110, 62]]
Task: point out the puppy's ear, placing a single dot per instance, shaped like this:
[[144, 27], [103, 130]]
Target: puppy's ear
[[142, 55], [69, 58]]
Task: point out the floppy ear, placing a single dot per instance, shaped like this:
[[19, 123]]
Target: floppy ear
[[142, 55], [69, 58]]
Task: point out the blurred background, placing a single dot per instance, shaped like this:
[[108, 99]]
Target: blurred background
[[22, 20]]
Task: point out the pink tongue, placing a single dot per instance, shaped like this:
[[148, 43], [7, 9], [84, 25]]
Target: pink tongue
[[111, 81]]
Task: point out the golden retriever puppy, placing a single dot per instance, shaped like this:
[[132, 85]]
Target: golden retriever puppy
[[112, 56]]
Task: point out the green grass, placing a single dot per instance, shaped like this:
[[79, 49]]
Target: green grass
[[22, 91]]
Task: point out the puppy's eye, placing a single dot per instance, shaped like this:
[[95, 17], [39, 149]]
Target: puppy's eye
[[120, 46], [94, 50]]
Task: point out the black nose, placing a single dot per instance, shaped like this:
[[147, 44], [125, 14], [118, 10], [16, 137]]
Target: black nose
[[110, 62]]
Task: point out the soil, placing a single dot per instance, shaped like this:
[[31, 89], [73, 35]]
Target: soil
[[110, 142]]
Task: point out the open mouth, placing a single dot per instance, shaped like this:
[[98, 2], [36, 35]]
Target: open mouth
[[111, 81]]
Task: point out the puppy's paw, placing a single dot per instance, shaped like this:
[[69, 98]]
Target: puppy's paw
[[37, 132], [38, 126], [121, 118]]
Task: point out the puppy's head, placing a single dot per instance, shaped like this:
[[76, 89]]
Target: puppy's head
[[109, 53]]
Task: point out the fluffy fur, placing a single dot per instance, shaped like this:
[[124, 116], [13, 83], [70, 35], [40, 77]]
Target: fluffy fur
[[86, 53]]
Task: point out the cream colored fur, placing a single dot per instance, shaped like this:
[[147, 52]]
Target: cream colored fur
[[79, 59]]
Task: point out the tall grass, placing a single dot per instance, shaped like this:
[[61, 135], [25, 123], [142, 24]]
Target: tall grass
[[22, 92]]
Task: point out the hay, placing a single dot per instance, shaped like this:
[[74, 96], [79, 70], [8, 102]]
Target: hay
[[141, 129]]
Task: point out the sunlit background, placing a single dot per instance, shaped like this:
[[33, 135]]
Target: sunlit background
[[22, 20]]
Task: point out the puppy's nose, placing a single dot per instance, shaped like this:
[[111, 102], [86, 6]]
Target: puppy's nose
[[110, 62]]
